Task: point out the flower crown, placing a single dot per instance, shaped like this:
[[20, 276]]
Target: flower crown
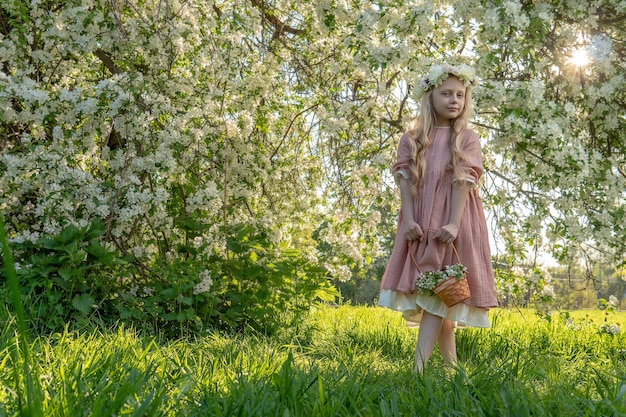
[[438, 73]]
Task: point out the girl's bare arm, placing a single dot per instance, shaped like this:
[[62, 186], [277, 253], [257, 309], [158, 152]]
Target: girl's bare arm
[[409, 226], [449, 232]]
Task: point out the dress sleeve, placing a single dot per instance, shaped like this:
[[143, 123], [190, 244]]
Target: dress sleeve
[[474, 155], [401, 167]]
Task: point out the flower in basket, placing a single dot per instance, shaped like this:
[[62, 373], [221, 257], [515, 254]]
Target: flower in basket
[[427, 281]]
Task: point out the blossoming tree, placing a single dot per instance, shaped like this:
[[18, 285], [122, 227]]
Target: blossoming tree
[[189, 127]]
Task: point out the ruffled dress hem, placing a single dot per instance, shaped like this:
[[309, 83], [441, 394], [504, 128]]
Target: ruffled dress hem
[[411, 306]]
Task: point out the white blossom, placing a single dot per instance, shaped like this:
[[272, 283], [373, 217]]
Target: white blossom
[[600, 47], [205, 283]]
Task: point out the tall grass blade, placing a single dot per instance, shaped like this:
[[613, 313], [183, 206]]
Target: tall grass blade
[[33, 390]]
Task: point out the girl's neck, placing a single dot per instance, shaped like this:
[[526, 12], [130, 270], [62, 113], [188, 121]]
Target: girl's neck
[[442, 121]]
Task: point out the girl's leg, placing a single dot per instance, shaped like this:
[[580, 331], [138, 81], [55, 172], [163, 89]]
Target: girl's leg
[[447, 343], [430, 327]]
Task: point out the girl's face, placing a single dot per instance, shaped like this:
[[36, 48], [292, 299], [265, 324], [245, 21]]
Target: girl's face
[[448, 100]]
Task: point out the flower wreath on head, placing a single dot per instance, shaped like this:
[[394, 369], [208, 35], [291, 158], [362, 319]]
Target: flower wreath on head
[[438, 73]]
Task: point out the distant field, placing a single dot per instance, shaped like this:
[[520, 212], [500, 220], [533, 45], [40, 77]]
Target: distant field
[[599, 315], [594, 316]]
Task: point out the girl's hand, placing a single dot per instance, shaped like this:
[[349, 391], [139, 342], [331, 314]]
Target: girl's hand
[[412, 230], [447, 233]]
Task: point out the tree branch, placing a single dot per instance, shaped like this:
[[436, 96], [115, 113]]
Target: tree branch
[[274, 21], [617, 19], [289, 128], [106, 59], [487, 126], [390, 81], [217, 10], [516, 185], [397, 122]]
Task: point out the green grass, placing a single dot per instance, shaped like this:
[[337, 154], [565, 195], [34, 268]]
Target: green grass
[[344, 361]]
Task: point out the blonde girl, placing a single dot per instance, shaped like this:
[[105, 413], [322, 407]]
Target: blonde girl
[[438, 167]]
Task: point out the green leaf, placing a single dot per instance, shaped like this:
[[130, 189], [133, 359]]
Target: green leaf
[[49, 243], [185, 300], [77, 256], [96, 230], [189, 223], [169, 293], [254, 257], [83, 303], [327, 294], [69, 234], [61, 282], [67, 272]]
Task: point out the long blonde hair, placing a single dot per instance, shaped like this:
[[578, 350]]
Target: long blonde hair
[[419, 133]]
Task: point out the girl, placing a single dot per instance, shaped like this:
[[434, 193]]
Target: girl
[[438, 167]]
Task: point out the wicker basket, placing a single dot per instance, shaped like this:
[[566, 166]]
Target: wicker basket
[[453, 291]]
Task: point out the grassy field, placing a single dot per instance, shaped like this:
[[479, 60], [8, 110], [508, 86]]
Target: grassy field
[[342, 361]]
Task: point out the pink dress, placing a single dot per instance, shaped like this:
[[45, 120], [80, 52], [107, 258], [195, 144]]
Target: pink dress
[[432, 211]]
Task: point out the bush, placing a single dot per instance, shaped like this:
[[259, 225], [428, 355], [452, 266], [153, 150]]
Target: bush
[[70, 276], [73, 277], [257, 285]]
